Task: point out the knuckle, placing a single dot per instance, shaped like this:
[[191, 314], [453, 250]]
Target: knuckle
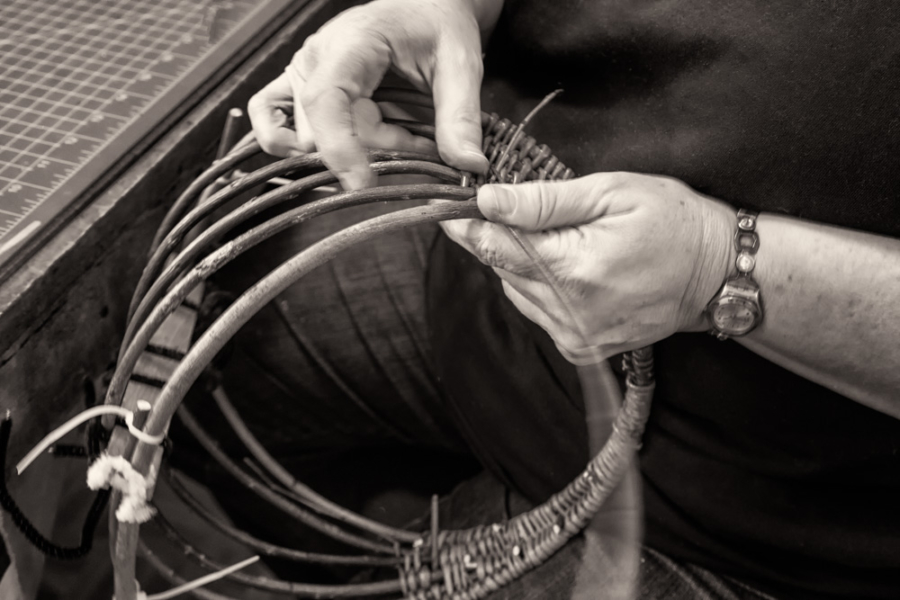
[[485, 252], [316, 100], [306, 144], [617, 180], [576, 276], [489, 253], [310, 96], [305, 58], [467, 116], [257, 101], [459, 59], [266, 139], [544, 204]]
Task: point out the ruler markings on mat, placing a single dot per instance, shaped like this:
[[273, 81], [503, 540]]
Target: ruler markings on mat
[[83, 81]]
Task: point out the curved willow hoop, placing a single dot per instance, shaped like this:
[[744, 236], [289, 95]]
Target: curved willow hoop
[[434, 564]]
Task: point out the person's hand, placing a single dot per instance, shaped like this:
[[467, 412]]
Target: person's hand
[[635, 257], [327, 88]]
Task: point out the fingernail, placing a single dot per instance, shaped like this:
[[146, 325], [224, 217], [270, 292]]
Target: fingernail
[[354, 180], [455, 229], [495, 200], [473, 153], [472, 148]]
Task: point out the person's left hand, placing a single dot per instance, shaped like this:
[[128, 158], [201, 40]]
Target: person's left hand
[[636, 257]]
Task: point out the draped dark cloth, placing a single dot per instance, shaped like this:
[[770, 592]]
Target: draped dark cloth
[[788, 107]]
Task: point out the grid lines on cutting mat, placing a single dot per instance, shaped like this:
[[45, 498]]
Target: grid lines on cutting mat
[[74, 75], [35, 69]]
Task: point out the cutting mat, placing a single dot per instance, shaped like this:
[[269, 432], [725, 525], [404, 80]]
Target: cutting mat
[[83, 81]]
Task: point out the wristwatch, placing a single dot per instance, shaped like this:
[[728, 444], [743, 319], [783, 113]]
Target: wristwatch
[[736, 309]]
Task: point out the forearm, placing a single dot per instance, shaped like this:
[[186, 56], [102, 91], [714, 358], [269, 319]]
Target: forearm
[[832, 308], [639, 257]]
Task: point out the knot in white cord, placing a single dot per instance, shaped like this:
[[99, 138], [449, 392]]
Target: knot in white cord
[[117, 472], [153, 440], [94, 411]]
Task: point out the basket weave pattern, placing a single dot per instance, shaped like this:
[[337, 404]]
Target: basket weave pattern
[[436, 564]]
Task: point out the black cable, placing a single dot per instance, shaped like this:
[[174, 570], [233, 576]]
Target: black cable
[[68, 451], [28, 529]]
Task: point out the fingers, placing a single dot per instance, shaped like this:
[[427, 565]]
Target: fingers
[[282, 135], [322, 107], [495, 246], [330, 80], [527, 307], [457, 104], [282, 127], [331, 120], [330, 91], [302, 130], [269, 111], [544, 304], [329, 83], [343, 129], [544, 205], [375, 133], [567, 337]]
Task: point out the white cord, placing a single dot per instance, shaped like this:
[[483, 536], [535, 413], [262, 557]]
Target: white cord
[[80, 418], [152, 440]]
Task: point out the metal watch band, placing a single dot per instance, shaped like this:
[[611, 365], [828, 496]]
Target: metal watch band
[[740, 292], [746, 242]]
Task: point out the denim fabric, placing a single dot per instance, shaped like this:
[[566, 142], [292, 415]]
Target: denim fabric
[[788, 107]]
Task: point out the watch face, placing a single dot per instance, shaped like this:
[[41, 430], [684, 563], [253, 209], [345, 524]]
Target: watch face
[[735, 317]]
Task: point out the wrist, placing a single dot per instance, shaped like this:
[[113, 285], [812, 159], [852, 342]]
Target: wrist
[[736, 309], [714, 265]]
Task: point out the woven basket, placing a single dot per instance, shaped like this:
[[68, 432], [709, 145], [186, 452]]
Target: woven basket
[[438, 564]]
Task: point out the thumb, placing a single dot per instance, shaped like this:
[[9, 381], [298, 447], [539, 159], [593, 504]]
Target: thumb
[[541, 205]]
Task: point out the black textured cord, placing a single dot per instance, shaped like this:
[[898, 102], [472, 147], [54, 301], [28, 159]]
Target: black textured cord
[[28, 529], [97, 438], [68, 451]]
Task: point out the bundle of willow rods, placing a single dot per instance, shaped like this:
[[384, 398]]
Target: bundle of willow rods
[[433, 564]]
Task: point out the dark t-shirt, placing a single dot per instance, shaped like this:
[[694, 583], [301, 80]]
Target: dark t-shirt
[[790, 107]]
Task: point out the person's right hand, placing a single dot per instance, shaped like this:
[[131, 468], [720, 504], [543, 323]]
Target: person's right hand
[[327, 88]]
